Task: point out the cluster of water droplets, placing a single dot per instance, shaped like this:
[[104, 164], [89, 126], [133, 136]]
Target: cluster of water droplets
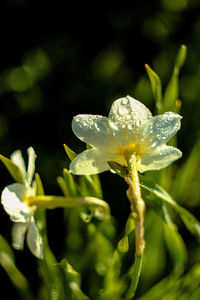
[[90, 122], [129, 113], [161, 128]]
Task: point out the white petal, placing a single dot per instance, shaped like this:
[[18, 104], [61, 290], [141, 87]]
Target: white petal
[[91, 161], [18, 235], [34, 240], [31, 165], [17, 158], [93, 130], [126, 117], [158, 159], [159, 130], [12, 199]]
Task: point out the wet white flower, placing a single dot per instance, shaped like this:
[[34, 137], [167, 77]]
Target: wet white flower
[[14, 200], [129, 129]]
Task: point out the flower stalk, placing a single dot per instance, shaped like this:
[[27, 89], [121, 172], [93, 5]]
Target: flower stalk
[[52, 202], [136, 202]]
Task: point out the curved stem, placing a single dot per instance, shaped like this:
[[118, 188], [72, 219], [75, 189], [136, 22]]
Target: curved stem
[[51, 202]]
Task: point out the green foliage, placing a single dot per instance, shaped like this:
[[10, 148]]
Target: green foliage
[[7, 261], [97, 260], [13, 169]]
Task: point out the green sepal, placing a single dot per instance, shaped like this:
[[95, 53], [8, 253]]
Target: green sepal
[[117, 168], [13, 169]]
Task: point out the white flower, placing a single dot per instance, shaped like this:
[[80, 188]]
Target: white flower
[[14, 199], [129, 128]]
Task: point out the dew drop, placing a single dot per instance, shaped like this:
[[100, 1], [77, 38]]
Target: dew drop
[[113, 126], [130, 126], [125, 101], [137, 123], [122, 110], [155, 144], [101, 127]]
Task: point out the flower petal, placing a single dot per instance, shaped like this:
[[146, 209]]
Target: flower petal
[[12, 199], [18, 235], [17, 158], [92, 161], [126, 117], [34, 240], [158, 159], [31, 165], [159, 130], [93, 130]]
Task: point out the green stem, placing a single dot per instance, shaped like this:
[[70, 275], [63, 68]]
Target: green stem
[[137, 203], [135, 275], [137, 212], [52, 202]]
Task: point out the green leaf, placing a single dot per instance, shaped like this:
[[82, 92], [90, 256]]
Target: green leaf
[[123, 244], [63, 186], [156, 86], [70, 183], [74, 280], [189, 220], [52, 277], [130, 226], [89, 185], [5, 247], [13, 169], [7, 261], [181, 57], [40, 189], [176, 247], [187, 175], [134, 274], [172, 90], [70, 153]]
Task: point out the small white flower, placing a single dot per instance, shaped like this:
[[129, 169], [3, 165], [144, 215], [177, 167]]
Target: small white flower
[[14, 199], [129, 128]]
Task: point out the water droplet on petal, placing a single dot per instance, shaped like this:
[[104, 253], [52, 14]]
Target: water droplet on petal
[[113, 126], [130, 126], [137, 123], [155, 144], [122, 110], [101, 127], [124, 101]]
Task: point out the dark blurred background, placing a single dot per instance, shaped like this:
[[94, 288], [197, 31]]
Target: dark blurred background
[[62, 58]]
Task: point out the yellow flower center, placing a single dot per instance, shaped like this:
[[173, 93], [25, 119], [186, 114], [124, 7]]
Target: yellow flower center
[[132, 148]]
